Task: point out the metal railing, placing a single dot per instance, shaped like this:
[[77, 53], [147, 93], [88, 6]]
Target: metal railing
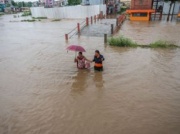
[[82, 25]]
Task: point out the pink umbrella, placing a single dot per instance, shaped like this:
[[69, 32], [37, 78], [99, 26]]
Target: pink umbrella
[[76, 48]]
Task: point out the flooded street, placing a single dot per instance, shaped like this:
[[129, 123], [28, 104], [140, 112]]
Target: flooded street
[[148, 32], [42, 91]]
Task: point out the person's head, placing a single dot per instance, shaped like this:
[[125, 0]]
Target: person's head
[[97, 53], [80, 53]]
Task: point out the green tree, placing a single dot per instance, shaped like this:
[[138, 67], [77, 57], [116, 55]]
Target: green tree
[[74, 2], [20, 4], [8, 5], [23, 4], [13, 3], [29, 4]]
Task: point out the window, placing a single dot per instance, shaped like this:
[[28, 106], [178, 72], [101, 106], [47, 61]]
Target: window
[[139, 14]]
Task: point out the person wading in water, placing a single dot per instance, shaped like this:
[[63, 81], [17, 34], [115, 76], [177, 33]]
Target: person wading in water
[[80, 59], [98, 60]]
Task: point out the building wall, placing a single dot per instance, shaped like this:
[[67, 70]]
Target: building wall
[[141, 4], [73, 12]]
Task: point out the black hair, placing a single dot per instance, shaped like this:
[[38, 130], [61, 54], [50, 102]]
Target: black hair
[[97, 51], [80, 53]]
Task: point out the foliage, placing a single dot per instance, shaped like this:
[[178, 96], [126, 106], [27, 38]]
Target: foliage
[[74, 2], [39, 17], [126, 42], [27, 13], [56, 20], [20, 4], [28, 20], [162, 44], [13, 3], [122, 42], [1, 13], [123, 9], [29, 4], [8, 5]]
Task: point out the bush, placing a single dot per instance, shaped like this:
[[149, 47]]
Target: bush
[[1, 13], [122, 42], [123, 9], [56, 20], [126, 42], [39, 17], [27, 13], [28, 20]]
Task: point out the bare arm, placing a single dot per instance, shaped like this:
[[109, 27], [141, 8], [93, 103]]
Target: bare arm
[[75, 60], [87, 59]]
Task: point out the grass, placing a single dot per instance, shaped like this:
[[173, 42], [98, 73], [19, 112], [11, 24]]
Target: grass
[[162, 44], [28, 20], [56, 20], [122, 42], [1, 13], [126, 42], [26, 13], [39, 18]]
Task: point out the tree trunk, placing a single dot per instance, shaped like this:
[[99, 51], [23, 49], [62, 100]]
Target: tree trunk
[[169, 11]]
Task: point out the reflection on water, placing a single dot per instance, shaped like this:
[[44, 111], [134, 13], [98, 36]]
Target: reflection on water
[[42, 91], [98, 79], [80, 80]]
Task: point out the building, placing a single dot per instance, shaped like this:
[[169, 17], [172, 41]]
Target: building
[[49, 3], [113, 6], [2, 1], [141, 10]]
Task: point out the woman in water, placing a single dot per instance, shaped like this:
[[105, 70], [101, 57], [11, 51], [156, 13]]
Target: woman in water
[[80, 59], [98, 60]]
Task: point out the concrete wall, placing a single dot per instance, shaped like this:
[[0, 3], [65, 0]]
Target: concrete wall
[[70, 12]]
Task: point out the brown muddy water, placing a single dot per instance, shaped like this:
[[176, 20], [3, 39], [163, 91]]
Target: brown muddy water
[[42, 92]]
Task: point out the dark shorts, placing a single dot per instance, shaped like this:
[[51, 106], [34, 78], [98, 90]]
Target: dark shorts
[[98, 68]]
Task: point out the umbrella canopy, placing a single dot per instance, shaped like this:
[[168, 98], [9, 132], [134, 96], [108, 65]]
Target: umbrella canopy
[[76, 48]]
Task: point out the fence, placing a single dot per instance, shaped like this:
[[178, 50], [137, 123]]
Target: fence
[[93, 19], [84, 23], [119, 21]]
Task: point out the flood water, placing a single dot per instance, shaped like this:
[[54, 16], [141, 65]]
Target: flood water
[[42, 92]]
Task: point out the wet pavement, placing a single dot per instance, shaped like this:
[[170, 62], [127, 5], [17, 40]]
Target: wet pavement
[[99, 28], [42, 91]]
